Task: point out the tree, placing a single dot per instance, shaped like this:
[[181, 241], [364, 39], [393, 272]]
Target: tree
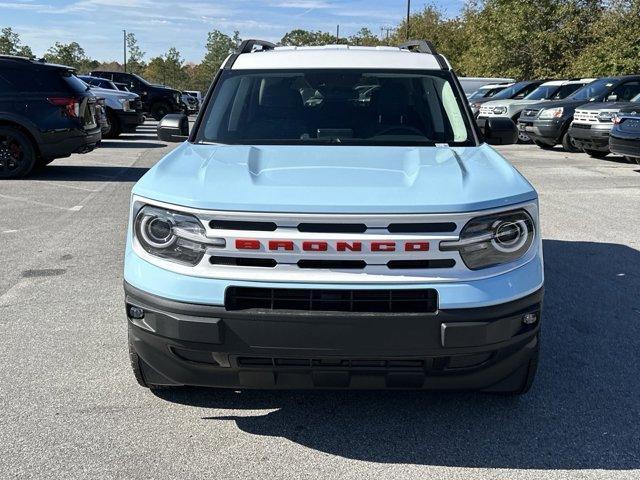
[[615, 46], [219, 46], [168, 69], [135, 62], [10, 44], [364, 37], [299, 37], [524, 39], [70, 54]]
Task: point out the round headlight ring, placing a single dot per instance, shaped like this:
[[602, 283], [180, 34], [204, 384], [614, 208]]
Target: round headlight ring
[[155, 233], [509, 236]]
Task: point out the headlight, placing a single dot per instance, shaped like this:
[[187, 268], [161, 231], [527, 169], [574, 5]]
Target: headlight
[[606, 116], [126, 106], [551, 113], [499, 110], [175, 236], [494, 239]]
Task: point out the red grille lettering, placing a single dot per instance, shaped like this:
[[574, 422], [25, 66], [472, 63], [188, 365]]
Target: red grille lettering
[[353, 246], [416, 247], [315, 246], [383, 246], [280, 244], [243, 244]]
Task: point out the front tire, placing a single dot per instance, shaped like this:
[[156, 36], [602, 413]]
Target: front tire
[[17, 153], [114, 126], [159, 110], [595, 153], [568, 144]]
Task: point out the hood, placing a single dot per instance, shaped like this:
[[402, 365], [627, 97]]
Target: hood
[[335, 179], [508, 103], [608, 106], [165, 88], [106, 92]]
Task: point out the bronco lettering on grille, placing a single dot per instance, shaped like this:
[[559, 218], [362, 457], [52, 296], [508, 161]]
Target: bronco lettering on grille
[[325, 246]]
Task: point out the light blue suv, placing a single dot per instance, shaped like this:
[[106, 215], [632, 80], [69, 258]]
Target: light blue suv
[[335, 219]]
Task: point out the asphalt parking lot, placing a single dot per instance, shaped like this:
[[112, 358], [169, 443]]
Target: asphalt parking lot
[[71, 408]]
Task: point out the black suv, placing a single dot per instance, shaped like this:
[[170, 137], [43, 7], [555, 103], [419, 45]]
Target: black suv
[[547, 124], [45, 113], [157, 100]]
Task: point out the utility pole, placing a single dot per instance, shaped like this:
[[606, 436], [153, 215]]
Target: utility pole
[[337, 34], [408, 16], [124, 49], [384, 30]]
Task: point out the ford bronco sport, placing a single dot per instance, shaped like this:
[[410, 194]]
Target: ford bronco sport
[[335, 219]]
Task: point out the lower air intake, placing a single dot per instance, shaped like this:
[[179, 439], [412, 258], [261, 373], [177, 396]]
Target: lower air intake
[[321, 300]]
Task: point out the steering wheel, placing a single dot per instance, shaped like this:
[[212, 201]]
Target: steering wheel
[[405, 129]]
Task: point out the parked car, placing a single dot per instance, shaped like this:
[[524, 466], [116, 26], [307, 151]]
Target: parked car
[[196, 94], [46, 112], [157, 100], [485, 92], [470, 85], [624, 138], [190, 104], [123, 109], [548, 91], [548, 123], [334, 243], [516, 91], [593, 122]]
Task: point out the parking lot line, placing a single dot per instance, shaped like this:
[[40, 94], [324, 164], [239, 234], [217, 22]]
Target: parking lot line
[[42, 204]]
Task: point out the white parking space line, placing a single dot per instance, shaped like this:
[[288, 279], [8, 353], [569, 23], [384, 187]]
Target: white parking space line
[[74, 187], [42, 204]]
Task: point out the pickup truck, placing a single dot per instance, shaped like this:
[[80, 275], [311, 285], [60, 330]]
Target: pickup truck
[[157, 100], [331, 223]]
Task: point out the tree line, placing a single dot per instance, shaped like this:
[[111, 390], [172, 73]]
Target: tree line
[[503, 38]]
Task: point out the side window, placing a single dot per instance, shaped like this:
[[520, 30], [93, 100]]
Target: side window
[[626, 91], [525, 91], [34, 80]]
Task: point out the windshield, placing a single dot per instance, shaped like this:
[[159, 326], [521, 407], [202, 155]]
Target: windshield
[[593, 90], [510, 92], [542, 92], [354, 107]]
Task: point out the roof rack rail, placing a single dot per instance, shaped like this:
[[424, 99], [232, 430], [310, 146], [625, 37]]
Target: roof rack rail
[[247, 45], [15, 57], [419, 46]]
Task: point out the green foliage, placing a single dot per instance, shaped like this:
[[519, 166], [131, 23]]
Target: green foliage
[[615, 45], [72, 55], [135, 55], [167, 69], [10, 44], [299, 37]]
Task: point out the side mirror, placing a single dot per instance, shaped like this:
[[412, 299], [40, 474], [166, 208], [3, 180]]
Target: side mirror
[[612, 98], [498, 131], [173, 128]]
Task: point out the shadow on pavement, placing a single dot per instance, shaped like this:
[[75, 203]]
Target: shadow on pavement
[[582, 412], [124, 144], [87, 173]]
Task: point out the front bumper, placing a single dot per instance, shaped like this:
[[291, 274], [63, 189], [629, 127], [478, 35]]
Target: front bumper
[[129, 121], [591, 137], [544, 131], [204, 345]]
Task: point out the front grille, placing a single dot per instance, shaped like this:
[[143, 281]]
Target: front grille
[[530, 112], [582, 126], [585, 116], [325, 300]]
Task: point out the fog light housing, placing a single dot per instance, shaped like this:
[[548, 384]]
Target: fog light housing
[[136, 313], [529, 318]]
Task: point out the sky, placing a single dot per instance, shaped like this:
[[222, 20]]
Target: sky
[[160, 24]]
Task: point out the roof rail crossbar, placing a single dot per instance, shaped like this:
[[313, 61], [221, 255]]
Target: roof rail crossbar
[[247, 45], [420, 46]]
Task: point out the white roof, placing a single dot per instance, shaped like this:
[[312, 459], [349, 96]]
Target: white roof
[[491, 86], [568, 82], [336, 56]]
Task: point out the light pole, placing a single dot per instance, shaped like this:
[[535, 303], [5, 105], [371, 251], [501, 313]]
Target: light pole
[[124, 49], [408, 16]]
